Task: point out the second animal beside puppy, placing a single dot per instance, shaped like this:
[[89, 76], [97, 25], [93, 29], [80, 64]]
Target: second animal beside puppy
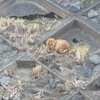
[[58, 45]]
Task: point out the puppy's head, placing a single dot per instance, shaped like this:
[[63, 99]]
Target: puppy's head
[[51, 42]]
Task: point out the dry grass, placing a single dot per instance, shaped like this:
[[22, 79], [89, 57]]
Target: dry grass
[[24, 33], [80, 52], [76, 55]]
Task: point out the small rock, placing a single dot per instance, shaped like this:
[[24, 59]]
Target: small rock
[[77, 97], [30, 89], [76, 77], [65, 3], [6, 48], [94, 20], [5, 80], [92, 13], [64, 69], [84, 14], [50, 76], [96, 68], [97, 51], [76, 6], [60, 87], [58, 81], [77, 68], [39, 84], [1, 74], [44, 80], [94, 58], [17, 97], [88, 72], [98, 20], [10, 54], [52, 83], [49, 94], [55, 66]]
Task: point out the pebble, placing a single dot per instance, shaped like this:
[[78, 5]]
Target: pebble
[[6, 80], [98, 20], [60, 87], [94, 58], [65, 3], [1, 74], [92, 13], [96, 68], [64, 69], [76, 6], [98, 51], [55, 66], [77, 97], [84, 14], [94, 20], [88, 72], [7, 55], [6, 48], [49, 94], [30, 89], [77, 68], [39, 84], [44, 80], [76, 77], [52, 83]]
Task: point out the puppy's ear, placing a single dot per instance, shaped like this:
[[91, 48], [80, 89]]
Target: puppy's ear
[[53, 43]]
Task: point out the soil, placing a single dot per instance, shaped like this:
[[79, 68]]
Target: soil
[[22, 88]]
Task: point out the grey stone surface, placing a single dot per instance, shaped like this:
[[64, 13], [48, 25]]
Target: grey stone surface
[[88, 72], [96, 68], [24, 8], [39, 84], [60, 87], [94, 20], [5, 80], [30, 89], [1, 1], [78, 97], [77, 68], [52, 83], [98, 20], [76, 77], [64, 69], [1, 74], [10, 54], [55, 66], [92, 13], [76, 6], [65, 3], [49, 94], [94, 58], [44, 80]]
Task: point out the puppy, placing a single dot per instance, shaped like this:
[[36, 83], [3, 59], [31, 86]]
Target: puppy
[[37, 70], [59, 45]]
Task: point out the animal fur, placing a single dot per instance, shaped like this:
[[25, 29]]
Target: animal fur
[[37, 69], [59, 45]]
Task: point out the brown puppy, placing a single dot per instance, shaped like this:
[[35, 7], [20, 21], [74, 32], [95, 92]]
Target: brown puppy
[[58, 45]]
